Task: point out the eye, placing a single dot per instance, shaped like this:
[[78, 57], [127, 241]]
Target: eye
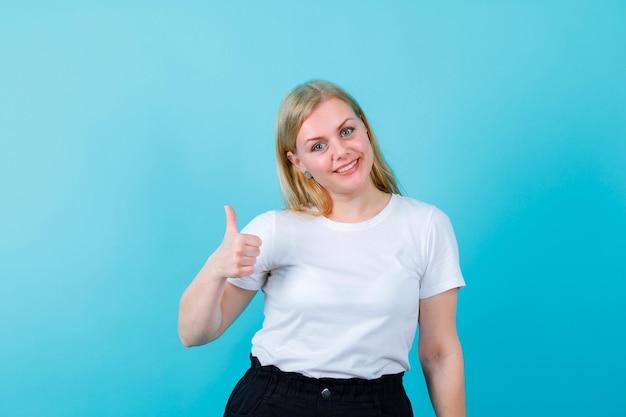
[[318, 147], [346, 131]]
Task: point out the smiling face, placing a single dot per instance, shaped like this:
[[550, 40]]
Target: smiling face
[[333, 145]]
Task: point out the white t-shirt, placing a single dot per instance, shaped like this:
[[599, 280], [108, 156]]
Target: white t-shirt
[[342, 299]]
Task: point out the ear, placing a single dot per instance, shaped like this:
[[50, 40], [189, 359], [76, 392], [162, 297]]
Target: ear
[[293, 158]]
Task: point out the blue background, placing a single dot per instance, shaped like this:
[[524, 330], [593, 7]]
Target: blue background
[[126, 126]]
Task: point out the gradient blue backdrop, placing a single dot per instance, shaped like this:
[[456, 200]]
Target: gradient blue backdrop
[[126, 126]]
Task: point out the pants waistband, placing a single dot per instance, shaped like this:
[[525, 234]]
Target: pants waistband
[[342, 389]]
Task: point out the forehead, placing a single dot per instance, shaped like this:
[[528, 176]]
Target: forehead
[[325, 119]]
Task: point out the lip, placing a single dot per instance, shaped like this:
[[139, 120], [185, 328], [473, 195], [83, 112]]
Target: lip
[[356, 165]]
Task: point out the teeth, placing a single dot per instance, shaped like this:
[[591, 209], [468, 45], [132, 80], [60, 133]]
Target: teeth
[[344, 169]]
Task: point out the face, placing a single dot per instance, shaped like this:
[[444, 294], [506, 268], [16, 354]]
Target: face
[[333, 145]]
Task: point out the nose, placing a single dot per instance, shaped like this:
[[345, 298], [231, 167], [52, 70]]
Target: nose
[[340, 150]]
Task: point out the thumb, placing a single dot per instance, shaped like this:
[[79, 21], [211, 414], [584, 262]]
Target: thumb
[[231, 220]]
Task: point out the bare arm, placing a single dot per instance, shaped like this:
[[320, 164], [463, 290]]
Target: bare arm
[[441, 355], [210, 304]]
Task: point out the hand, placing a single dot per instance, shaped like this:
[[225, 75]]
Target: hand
[[236, 255]]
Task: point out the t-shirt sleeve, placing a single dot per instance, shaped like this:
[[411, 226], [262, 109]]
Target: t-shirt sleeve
[[263, 227], [443, 271]]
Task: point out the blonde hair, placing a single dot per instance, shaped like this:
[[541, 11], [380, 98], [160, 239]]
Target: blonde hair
[[300, 193]]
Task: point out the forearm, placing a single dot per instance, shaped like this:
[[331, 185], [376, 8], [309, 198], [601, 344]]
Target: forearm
[[446, 383], [200, 317]]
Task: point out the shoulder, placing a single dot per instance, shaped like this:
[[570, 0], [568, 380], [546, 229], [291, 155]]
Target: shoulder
[[414, 208], [417, 212], [270, 219], [261, 223]]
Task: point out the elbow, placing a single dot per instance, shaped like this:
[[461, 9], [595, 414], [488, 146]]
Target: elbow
[[429, 353], [190, 340], [183, 335], [193, 331], [429, 360], [184, 338], [186, 342], [435, 355]]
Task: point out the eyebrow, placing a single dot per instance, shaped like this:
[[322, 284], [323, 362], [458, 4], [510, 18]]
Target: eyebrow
[[321, 137]]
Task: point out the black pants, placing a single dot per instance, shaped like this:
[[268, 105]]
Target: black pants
[[266, 391]]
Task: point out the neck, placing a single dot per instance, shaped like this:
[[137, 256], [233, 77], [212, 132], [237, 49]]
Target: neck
[[358, 208]]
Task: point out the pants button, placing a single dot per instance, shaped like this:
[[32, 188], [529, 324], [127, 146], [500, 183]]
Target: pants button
[[325, 393]]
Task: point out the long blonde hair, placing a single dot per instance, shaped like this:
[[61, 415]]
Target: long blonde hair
[[300, 193]]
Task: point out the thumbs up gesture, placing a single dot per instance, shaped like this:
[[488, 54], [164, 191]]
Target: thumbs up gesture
[[236, 255]]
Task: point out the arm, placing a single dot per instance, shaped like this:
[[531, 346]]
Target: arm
[[210, 304], [441, 355]]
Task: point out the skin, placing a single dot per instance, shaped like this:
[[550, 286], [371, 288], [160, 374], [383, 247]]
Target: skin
[[333, 145], [210, 304], [330, 140], [440, 354]]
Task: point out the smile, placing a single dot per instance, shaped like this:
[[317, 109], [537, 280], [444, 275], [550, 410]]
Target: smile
[[347, 167]]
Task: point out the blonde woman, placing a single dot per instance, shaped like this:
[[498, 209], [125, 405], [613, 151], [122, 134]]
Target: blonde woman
[[349, 270]]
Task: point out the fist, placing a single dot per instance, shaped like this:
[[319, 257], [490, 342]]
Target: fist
[[236, 255]]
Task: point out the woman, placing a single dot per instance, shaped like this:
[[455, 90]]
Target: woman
[[349, 270]]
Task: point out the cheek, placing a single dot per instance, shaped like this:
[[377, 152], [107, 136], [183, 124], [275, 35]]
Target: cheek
[[319, 164], [364, 145]]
